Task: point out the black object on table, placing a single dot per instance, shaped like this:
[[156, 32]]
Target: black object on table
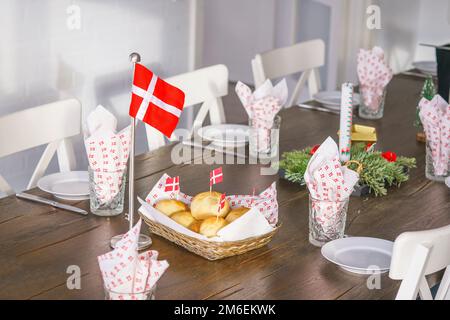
[[443, 71]]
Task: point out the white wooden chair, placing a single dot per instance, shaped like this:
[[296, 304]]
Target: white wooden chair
[[418, 254], [50, 124], [305, 57], [204, 86]]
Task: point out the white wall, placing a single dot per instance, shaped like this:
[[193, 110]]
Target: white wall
[[406, 23], [234, 31], [41, 60]]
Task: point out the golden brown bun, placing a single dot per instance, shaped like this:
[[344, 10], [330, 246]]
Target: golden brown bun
[[184, 218], [236, 213], [211, 226], [170, 206], [195, 226], [205, 205]]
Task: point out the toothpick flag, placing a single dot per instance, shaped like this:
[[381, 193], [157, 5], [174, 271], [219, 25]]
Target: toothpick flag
[[215, 176], [172, 184], [221, 202], [155, 101]]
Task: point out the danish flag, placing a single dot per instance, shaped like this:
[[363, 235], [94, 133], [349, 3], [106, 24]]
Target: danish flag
[[215, 176], [221, 202], [154, 101], [172, 184]]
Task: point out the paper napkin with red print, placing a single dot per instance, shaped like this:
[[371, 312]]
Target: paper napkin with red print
[[330, 184], [325, 177], [374, 74], [127, 274], [107, 153], [435, 117], [262, 106]]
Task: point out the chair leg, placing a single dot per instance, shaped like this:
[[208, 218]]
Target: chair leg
[[409, 288], [298, 87], [5, 187], [444, 288], [43, 163], [66, 156]]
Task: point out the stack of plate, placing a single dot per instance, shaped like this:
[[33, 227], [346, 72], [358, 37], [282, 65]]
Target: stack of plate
[[225, 135], [426, 67], [332, 99]]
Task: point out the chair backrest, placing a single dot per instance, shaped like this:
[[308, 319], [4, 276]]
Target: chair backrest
[[418, 254], [204, 86], [303, 57], [50, 124]]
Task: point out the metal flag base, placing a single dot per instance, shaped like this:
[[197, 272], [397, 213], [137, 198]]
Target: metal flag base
[[143, 243]]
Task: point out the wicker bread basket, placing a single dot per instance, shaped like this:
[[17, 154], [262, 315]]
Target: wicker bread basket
[[211, 250]]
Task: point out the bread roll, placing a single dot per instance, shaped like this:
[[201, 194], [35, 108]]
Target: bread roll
[[236, 213], [170, 206], [212, 225], [205, 205], [195, 226], [184, 218]]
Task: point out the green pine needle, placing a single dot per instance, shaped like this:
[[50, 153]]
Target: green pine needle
[[377, 173]]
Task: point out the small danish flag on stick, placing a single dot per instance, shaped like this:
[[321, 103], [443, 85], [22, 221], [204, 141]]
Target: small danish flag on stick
[[221, 203], [215, 177], [172, 184]]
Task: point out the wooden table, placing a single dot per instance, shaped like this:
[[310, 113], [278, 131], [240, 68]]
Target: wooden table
[[38, 243]]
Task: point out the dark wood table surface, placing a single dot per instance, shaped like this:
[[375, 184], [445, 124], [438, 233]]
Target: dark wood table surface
[[38, 243]]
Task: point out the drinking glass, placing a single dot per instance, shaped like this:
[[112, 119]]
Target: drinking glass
[[326, 220], [107, 191], [429, 165], [376, 109], [263, 141], [142, 295]]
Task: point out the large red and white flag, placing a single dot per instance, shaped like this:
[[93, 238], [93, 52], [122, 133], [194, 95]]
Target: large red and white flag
[[172, 184], [155, 101], [215, 176]]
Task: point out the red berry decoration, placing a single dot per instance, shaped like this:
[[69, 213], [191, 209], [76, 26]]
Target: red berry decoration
[[389, 156], [314, 149]]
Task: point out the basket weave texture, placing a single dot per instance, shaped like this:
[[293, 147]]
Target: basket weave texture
[[211, 250]]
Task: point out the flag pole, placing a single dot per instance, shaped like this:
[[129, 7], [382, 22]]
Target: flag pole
[[134, 58], [144, 240]]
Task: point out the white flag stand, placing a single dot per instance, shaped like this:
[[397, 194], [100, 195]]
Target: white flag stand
[[144, 240]]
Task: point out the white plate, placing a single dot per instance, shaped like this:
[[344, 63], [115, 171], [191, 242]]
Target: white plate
[[427, 67], [73, 185], [360, 254], [332, 99], [228, 135]]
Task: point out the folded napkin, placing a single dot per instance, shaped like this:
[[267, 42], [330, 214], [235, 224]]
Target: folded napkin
[[435, 117], [374, 74], [128, 274], [329, 184], [107, 152], [262, 106]]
